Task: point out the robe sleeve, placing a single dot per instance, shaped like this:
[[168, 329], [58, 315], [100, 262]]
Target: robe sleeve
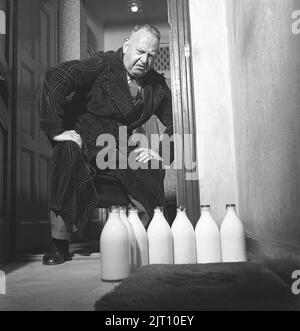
[[59, 83]]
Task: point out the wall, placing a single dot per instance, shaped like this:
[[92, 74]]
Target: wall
[[70, 30], [95, 21], [97, 29], [266, 84], [247, 82], [116, 33], [115, 16], [213, 104]]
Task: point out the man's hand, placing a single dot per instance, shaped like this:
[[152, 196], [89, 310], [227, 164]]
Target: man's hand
[[69, 136], [145, 155]]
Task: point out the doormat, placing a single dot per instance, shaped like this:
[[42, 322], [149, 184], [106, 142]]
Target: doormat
[[213, 287]]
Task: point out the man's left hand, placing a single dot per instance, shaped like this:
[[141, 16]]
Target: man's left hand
[[145, 155]]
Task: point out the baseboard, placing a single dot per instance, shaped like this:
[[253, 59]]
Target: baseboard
[[282, 258]]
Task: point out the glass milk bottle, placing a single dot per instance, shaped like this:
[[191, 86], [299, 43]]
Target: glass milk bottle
[[208, 238], [184, 239], [114, 249], [141, 237], [132, 239], [160, 240], [233, 238]]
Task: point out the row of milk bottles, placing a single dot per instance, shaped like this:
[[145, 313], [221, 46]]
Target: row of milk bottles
[[125, 245]]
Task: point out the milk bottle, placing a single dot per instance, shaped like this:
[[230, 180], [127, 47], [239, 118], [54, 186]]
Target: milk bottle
[[160, 240], [114, 249], [233, 238], [141, 237], [208, 238], [184, 239], [132, 239]]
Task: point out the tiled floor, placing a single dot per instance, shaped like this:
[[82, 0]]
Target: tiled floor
[[76, 285]]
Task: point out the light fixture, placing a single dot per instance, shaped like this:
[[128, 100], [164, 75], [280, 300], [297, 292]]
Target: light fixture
[[135, 6]]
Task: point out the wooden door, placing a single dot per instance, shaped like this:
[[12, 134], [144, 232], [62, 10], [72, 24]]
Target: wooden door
[[5, 133], [36, 51]]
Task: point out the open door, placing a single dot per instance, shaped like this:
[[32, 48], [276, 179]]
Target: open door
[[36, 51]]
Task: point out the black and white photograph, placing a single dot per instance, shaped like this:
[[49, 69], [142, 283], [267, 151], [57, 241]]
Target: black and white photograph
[[149, 158]]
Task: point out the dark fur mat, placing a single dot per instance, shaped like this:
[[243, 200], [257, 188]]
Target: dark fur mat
[[214, 287]]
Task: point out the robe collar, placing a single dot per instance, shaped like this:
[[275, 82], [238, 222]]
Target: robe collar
[[116, 83]]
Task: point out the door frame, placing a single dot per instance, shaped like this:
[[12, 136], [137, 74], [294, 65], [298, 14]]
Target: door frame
[[188, 191]]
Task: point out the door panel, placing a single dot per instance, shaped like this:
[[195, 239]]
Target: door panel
[[37, 50]]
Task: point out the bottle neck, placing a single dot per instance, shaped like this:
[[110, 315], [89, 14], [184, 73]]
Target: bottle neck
[[158, 211], [231, 211], [115, 214]]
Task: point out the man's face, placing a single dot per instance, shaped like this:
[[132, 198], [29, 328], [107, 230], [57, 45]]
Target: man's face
[[140, 52]]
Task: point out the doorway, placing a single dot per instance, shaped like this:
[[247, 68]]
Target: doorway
[[107, 24]]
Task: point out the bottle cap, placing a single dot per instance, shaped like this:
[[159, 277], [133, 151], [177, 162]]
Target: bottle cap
[[181, 208], [230, 206], [159, 209], [123, 208], [114, 208], [133, 209]]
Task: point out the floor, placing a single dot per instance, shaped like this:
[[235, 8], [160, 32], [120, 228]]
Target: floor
[[74, 286]]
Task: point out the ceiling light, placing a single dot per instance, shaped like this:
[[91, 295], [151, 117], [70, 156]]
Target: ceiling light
[[135, 6]]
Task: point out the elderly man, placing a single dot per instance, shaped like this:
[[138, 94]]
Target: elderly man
[[88, 98]]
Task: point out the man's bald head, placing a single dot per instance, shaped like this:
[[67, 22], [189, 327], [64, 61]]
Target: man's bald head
[[150, 28]]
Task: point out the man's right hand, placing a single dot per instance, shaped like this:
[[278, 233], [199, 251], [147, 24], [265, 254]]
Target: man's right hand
[[69, 136]]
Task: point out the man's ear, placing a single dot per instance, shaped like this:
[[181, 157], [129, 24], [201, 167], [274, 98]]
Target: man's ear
[[125, 46]]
